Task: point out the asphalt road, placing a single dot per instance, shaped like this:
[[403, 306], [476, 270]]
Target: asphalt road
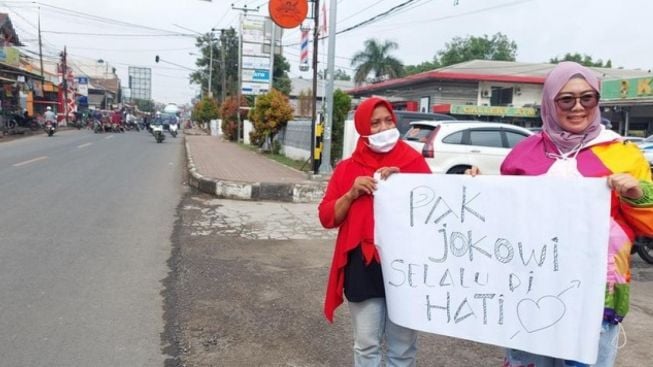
[[85, 231]]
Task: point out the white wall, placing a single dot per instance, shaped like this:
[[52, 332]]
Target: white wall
[[247, 128], [524, 94]]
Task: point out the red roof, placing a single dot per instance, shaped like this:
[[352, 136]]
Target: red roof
[[440, 75]]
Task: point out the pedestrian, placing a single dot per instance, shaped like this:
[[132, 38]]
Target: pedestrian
[[355, 268], [574, 143]]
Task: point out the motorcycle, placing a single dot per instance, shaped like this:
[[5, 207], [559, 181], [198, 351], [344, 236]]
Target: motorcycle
[[157, 131], [644, 248], [173, 130], [49, 128], [97, 126]]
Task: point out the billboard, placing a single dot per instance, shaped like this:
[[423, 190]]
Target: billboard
[[140, 83]]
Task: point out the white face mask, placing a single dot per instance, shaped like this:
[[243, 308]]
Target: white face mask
[[565, 165], [384, 141], [564, 168]]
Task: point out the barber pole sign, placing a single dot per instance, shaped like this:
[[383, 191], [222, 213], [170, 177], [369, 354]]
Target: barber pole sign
[[303, 52]]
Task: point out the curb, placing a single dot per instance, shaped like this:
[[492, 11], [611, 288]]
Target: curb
[[305, 192]]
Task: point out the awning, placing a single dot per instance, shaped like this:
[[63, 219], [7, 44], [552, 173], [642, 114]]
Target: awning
[[8, 80]]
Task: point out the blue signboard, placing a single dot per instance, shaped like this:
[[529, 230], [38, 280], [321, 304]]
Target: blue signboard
[[82, 80], [261, 75]]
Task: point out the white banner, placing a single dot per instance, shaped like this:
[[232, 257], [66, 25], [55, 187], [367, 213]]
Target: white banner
[[518, 262]]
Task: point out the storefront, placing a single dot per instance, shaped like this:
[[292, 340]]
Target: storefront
[[628, 104]]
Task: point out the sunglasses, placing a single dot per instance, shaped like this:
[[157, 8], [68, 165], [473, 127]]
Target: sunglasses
[[587, 100]]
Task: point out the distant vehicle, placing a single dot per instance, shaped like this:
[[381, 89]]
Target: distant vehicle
[[403, 124], [454, 146]]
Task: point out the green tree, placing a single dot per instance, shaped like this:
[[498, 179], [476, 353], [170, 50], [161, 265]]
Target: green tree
[[585, 60], [341, 106], [497, 47], [228, 113], [280, 79], [144, 105], [270, 114], [375, 59], [338, 74], [205, 110], [420, 68], [227, 42]]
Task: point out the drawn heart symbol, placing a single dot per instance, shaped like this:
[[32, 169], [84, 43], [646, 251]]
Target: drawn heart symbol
[[541, 314]]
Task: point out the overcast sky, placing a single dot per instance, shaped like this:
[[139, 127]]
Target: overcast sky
[[542, 29]]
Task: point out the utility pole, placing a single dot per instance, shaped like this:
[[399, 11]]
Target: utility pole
[[223, 66], [40, 43], [316, 36], [210, 63], [325, 166], [244, 10]]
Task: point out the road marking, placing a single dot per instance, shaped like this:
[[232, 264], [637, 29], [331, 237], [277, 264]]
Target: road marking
[[109, 137], [84, 145], [30, 161]]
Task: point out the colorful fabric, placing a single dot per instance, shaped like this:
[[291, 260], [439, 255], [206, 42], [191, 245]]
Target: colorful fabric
[[605, 155]]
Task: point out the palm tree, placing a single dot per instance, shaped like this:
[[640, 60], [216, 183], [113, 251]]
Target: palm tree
[[375, 59]]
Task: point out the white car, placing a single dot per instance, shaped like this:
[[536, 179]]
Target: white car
[[454, 146]]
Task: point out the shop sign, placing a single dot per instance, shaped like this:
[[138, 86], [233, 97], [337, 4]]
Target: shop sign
[[253, 30], [252, 88], [634, 88], [493, 111], [256, 75], [9, 55], [251, 62], [254, 49]]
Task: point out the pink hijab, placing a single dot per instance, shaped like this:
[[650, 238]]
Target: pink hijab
[[557, 78]]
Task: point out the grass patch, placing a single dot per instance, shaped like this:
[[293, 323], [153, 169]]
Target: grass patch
[[303, 166]]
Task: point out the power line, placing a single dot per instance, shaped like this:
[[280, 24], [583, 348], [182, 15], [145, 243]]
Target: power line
[[120, 34], [104, 19]]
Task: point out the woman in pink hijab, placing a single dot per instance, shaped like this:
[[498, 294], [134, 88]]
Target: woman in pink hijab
[[573, 143]]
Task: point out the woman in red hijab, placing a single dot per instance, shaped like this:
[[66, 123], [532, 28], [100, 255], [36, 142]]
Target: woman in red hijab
[[355, 268]]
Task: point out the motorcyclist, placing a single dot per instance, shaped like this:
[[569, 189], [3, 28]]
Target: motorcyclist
[[50, 117], [116, 120]]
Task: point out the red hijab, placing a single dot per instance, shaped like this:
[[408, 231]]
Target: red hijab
[[400, 156]]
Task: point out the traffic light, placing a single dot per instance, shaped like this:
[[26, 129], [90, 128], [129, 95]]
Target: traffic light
[[156, 58]]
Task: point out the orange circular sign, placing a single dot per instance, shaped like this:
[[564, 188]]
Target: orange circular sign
[[288, 13]]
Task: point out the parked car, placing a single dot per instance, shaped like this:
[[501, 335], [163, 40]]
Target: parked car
[[454, 146], [404, 119]]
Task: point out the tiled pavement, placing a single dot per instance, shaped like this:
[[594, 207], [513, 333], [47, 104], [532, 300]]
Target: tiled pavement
[[226, 170]]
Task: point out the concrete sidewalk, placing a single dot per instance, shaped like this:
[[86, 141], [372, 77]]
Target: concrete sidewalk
[[226, 170]]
